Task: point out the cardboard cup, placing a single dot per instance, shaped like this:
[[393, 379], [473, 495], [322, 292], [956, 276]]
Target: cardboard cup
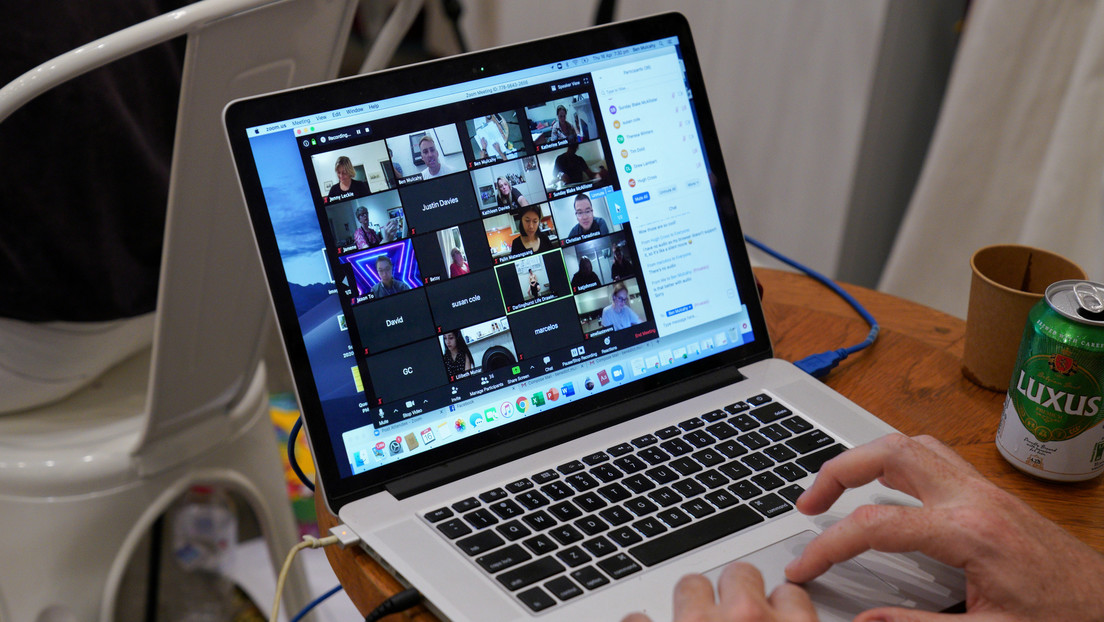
[[1008, 279]]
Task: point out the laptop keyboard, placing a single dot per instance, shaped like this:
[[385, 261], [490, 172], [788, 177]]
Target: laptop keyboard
[[554, 535]]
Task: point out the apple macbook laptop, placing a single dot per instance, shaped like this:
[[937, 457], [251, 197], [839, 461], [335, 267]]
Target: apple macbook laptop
[[526, 339]]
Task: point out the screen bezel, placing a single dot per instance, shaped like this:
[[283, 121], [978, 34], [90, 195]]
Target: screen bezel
[[494, 442]]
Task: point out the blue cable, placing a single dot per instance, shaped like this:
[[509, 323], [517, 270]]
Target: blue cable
[[818, 365], [314, 603], [291, 454]]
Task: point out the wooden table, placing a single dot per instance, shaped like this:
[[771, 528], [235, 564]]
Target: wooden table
[[911, 378]]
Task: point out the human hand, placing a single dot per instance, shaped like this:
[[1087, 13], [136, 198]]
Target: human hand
[[740, 596], [1018, 564]]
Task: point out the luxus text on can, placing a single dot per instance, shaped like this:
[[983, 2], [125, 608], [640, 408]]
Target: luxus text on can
[[1051, 426]]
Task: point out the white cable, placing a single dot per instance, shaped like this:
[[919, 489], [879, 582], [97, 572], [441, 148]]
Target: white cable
[[310, 542]]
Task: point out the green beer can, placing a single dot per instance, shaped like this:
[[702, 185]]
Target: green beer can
[[1051, 426]]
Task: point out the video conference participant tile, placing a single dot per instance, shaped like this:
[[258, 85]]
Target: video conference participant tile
[[545, 328], [453, 252], [439, 203], [403, 372], [461, 302], [392, 321]]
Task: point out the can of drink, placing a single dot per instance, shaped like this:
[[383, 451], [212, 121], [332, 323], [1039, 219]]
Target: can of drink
[[1051, 425]]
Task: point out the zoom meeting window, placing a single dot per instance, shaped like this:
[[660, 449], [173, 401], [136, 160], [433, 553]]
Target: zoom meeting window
[[470, 241], [497, 239]]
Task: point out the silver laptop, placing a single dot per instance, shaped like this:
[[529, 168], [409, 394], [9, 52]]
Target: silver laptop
[[526, 338]]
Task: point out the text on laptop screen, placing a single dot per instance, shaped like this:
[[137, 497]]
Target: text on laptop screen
[[470, 256]]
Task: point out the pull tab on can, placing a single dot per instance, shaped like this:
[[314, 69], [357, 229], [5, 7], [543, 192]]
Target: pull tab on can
[[1090, 300]]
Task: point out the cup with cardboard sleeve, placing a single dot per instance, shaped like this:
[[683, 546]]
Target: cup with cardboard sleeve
[[1007, 280]]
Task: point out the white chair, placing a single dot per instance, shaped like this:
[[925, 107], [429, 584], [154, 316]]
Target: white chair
[[82, 481]]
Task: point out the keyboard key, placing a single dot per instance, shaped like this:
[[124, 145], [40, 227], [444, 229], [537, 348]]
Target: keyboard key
[[480, 543], [770, 505], [698, 508], [768, 481], [734, 470], [503, 558], [753, 440], [606, 472], [589, 578], [596, 458], [770, 413], [738, 407], [791, 492], [711, 479], [745, 490], [619, 566], [493, 495], [688, 488], [530, 573], [708, 457], [644, 441], [506, 509], [670, 431], [650, 526], [674, 517], [536, 599], [519, 485], [677, 447], [662, 474], [557, 491], [454, 528], [796, 424], [591, 525], [757, 461], [714, 416], [562, 588], [722, 430], [695, 534], [624, 536], [691, 424], [573, 556], [480, 518], [731, 448], [654, 455], [619, 450], [616, 515], [744, 423], [571, 467], [540, 544], [614, 493], [790, 472], [539, 520], [640, 506], [699, 438], [565, 534], [721, 498], [814, 461], [465, 505], [438, 515], [546, 476], [664, 497], [638, 483], [809, 441], [759, 400], [532, 499], [564, 511], [775, 432], [590, 501], [581, 481], [630, 464], [685, 465], [780, 453], [513, 530], [599, 547]]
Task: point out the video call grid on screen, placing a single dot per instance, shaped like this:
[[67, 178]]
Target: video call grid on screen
[[439, 178]]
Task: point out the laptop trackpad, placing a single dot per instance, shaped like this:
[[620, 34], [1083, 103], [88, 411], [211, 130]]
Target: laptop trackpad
[[848, 588]]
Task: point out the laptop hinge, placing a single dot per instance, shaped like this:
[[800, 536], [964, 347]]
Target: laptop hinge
[[563, 431]]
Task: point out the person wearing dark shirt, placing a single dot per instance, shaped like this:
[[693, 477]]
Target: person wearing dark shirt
[[585, 276], [457, 356], [622, 268], [570, 168], [531, 237], [508, 195], [387, 285], [584, 213], [345, 182]]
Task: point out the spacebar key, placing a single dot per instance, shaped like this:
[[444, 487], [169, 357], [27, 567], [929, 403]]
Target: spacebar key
[[697, 534]]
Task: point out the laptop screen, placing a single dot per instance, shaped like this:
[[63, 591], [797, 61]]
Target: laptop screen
[[456, 265]]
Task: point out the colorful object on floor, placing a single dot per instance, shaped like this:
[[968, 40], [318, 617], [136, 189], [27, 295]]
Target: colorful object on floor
[[285, 411]]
